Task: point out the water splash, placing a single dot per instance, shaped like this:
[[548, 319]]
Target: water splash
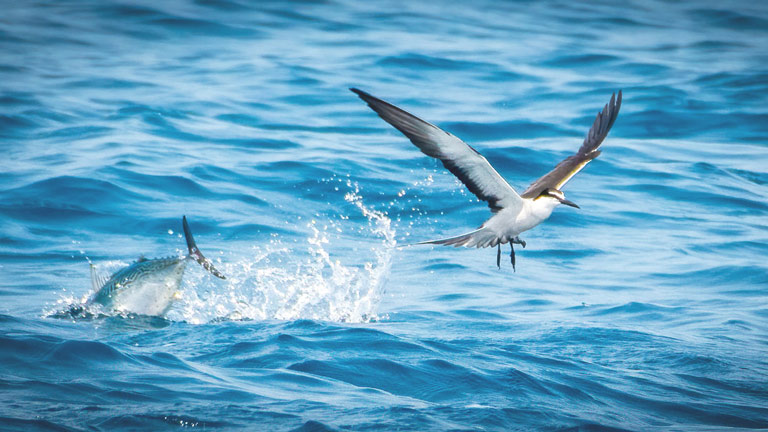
[[274, 284]]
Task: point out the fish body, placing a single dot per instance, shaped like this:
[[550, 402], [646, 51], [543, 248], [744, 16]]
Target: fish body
[[145, 287], [148, 286]]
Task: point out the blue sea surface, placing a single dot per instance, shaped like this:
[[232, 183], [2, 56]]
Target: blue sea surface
[[647, 309]]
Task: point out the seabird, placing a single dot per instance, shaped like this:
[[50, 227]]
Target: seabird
[[513, 213]]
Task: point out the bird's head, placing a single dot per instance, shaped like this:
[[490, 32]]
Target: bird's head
[[556, 194]]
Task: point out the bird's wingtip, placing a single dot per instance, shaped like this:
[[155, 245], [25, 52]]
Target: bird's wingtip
[[361, 94]]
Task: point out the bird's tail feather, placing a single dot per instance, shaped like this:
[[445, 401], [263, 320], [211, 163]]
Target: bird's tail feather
[[480, 238]]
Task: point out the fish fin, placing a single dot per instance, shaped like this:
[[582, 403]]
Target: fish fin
[[195, 253], [98, 280]]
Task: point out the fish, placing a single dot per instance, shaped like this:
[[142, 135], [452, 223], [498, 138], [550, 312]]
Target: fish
[[148, 286]]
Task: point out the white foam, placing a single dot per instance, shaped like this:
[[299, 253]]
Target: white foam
[[275, 283]]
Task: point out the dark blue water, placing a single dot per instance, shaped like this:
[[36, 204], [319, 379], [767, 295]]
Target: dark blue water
[[646, 309]]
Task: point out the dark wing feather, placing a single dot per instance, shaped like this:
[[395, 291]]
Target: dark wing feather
[[565, 170], [469, 166]]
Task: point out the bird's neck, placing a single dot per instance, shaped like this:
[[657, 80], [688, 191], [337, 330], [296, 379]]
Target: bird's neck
[[541, 208]]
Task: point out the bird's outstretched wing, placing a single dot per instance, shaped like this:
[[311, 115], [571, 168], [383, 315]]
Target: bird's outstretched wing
[[559, 176], [469, 166]]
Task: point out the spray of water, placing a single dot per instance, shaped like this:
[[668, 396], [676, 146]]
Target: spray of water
[[283, 282], [274, 284]]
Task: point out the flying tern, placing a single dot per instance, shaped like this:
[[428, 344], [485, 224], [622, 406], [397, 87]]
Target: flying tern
[[513, 213]]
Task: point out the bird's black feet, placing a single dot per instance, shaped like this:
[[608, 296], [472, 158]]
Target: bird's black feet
[[511, 252]]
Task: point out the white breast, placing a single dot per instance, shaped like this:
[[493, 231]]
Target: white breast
[[533, 213], [508, 223]]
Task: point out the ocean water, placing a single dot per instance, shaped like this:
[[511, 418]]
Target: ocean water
[[646, 309]]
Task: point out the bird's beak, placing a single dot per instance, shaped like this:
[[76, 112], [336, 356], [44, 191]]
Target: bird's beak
[[569, 203]]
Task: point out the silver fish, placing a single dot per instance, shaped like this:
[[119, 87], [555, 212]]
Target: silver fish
[[147, 286]]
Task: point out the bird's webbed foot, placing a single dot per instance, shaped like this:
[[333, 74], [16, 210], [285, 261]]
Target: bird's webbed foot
[[519, 241]]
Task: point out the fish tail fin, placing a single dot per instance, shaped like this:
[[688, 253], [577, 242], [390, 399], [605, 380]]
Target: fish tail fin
[[481, 237], [195, 253]]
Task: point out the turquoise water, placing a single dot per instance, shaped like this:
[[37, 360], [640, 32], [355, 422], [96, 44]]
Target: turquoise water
[[646, 309]]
